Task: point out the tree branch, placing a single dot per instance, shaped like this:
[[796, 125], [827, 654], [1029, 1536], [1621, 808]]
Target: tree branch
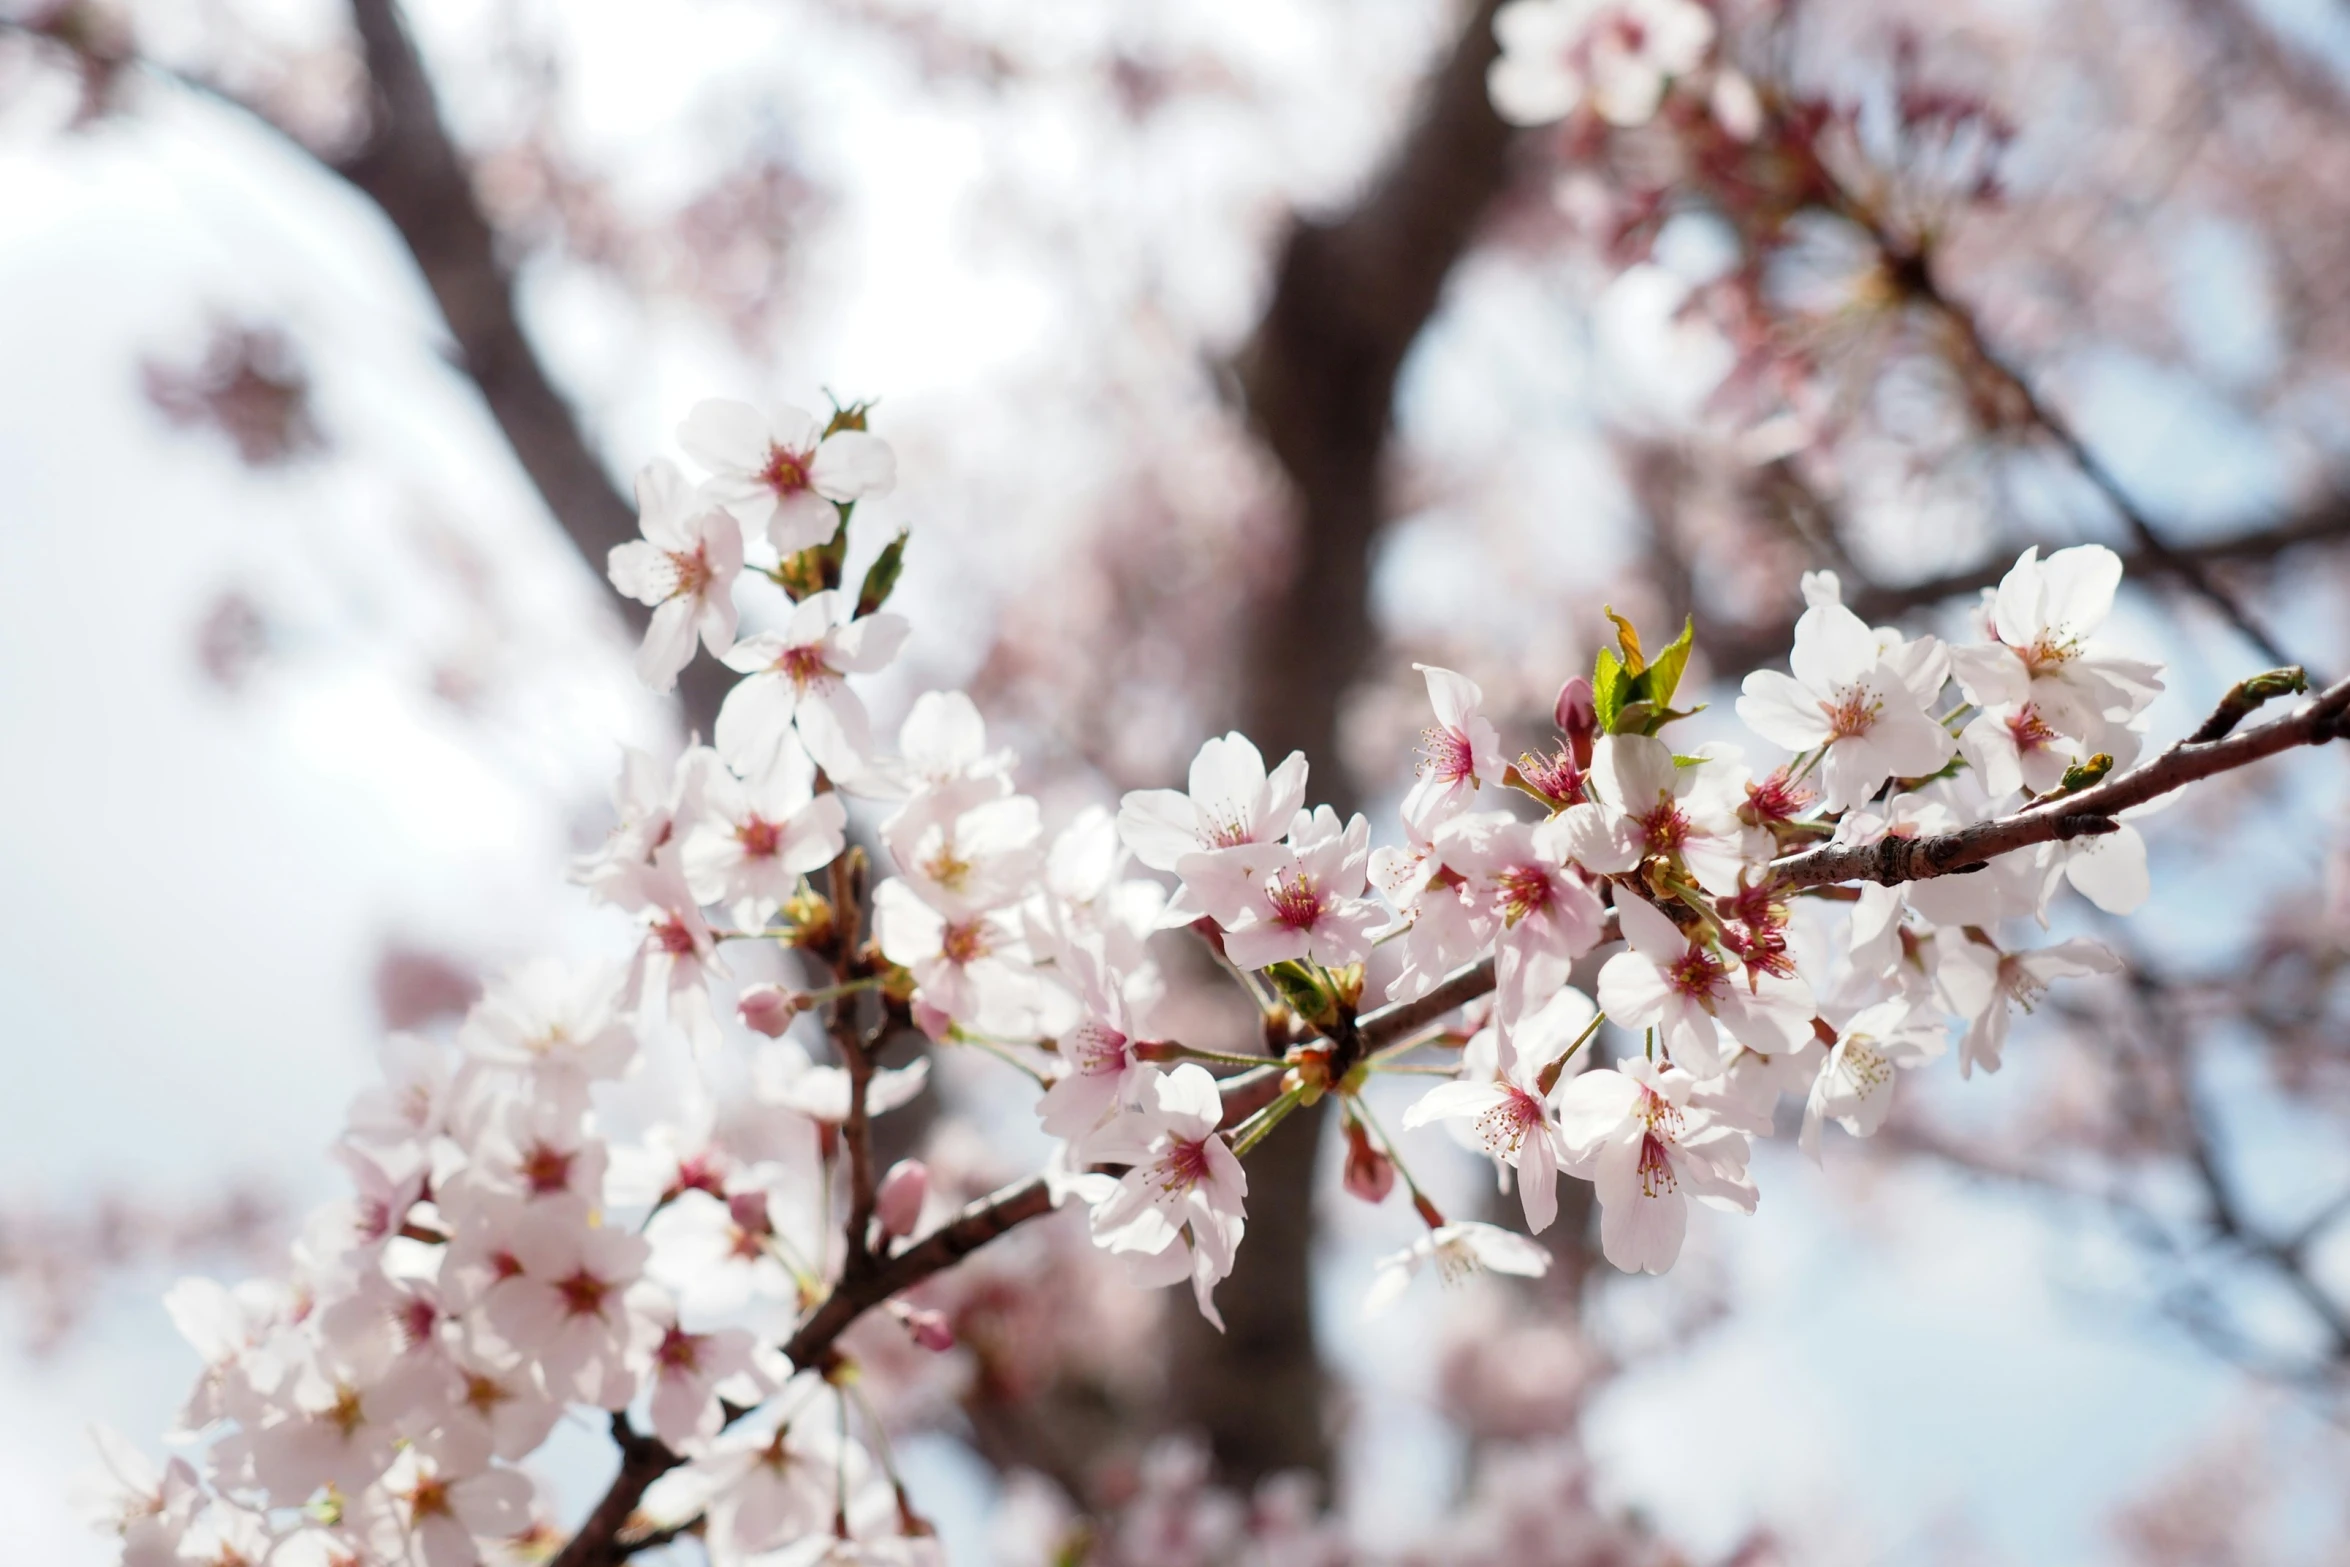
[[2326, 522], [413, 171], [1892, 860], [1913, 272]]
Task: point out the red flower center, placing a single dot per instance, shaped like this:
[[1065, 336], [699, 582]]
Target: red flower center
[[1446, 755], [583, 1294], [546, 1170], [966, 943], [786, 472], [1696, 972], [1297, 902]]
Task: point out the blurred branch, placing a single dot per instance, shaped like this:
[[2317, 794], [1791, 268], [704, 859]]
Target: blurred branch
[[413, 171], [1916, 276], [2325, 523]]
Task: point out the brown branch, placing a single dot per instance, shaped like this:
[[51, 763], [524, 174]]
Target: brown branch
[[1912, 271], [1391, 1023], [645, 1459], [1892, 860], [412, 169], [642, 1461]]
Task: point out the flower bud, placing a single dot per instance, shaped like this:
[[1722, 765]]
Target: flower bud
[[929, 1328], [898, 1202], [769, 1009], [1370, 1174], [749, 1212], [1578, 718]]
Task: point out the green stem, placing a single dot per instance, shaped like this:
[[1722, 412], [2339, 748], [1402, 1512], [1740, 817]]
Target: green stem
[[1221, 1057], [1360, 1108], [1254, 1130]]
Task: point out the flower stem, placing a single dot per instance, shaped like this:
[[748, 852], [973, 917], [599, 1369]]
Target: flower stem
[[1360, 1108], [1253, 1131]]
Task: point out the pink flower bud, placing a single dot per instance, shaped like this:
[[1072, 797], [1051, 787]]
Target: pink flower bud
[[898, 1203], [1578, 718], [769, 1009], [749, 1212], [1370, 1174], [930, 1328]]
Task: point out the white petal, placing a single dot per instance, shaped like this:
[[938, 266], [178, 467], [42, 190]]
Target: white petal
[[722, 435]]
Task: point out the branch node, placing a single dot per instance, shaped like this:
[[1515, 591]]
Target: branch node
[[2245, 697]]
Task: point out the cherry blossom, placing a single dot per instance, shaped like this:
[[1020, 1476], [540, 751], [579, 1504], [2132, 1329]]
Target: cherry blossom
[[2010, 746], [1457, 1250], [1855, 1083], [798, 679], [1692, 994], [688, 1371], [974, 971], [1459, 754], [2044, 613], [565, 1303], [438, 1509], [1101, 1073], [1185, 1189], [563, 1209], [1232, 802], [966, 855], [1541, 914], [1858, 699], [1447, 923], [1646, 805], [1302, 898], [553, 1017], [782, 474], [1647, 1150], [1981, 983], [684, 566], [1615, 54], [1512, 1118], [757, 837]]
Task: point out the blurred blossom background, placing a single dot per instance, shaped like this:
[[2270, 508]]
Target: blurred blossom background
[[1236, 356]]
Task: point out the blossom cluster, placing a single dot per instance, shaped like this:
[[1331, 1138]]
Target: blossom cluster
[[633, 1187]]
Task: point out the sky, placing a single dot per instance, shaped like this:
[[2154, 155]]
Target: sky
[[200, 881]]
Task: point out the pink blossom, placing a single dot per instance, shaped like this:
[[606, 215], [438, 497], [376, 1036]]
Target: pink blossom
[[1692, 994], [798, 678], [1185, 1188], [780, 473], [1299, 899], [1459, 754], [1639, 1140], [684, 566]]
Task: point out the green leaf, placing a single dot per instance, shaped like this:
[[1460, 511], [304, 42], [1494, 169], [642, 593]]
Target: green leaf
[[1608, 683], [1664, 670], [1305, 993], [881, 578]]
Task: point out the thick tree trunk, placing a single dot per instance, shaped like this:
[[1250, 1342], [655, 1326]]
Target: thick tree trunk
[[1349, 297]]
